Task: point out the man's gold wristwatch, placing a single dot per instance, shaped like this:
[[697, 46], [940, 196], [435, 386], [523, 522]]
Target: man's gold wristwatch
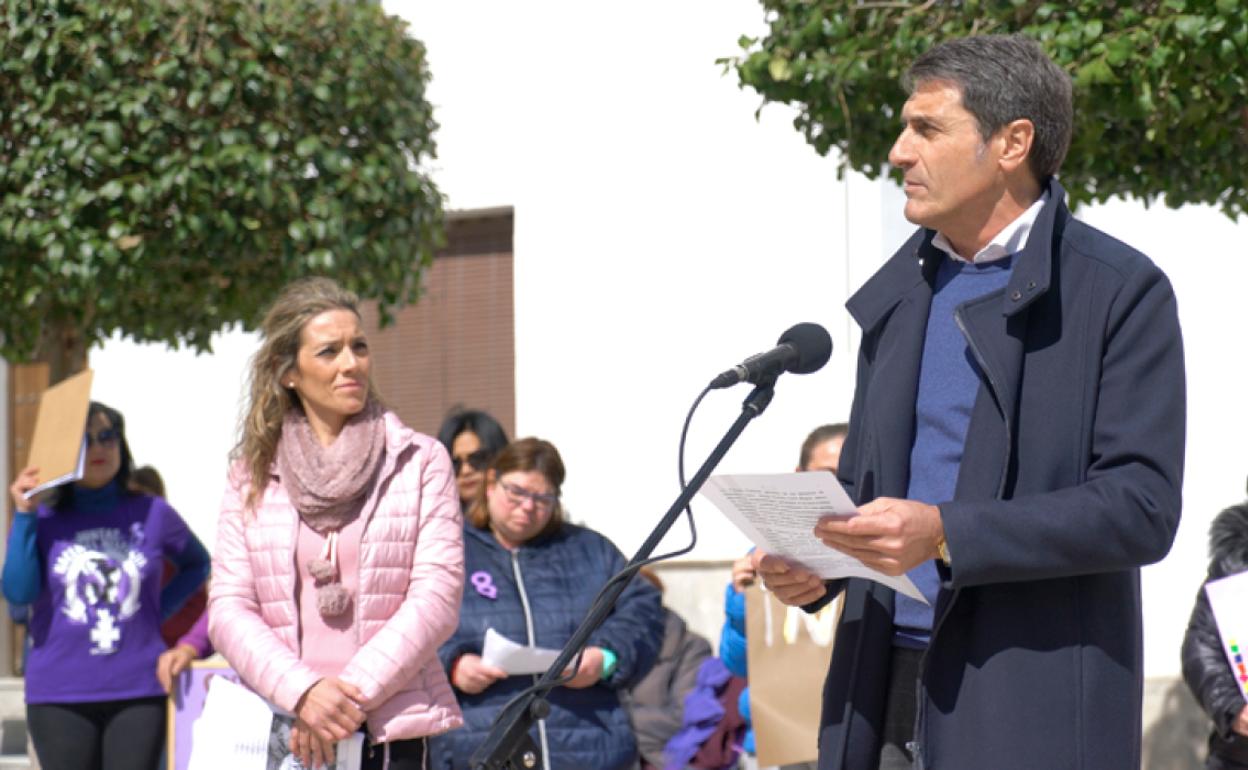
[[942, 547]]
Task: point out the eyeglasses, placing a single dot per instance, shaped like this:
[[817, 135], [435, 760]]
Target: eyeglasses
[[518, 495], [105, 438], [476, 460]]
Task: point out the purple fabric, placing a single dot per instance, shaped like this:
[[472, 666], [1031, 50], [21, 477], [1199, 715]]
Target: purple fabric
[[722, 749], [703, 711], [197, 636], [96, 624]]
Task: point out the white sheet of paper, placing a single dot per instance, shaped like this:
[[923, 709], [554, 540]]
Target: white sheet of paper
[[1230, 611], [778, 511], [240, 730], [513, 658], [232, 730]]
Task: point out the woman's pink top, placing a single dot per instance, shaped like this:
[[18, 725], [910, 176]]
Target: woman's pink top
[[327, 643]]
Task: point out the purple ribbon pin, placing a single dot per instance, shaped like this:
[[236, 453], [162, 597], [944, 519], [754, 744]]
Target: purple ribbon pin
[[484, 584]]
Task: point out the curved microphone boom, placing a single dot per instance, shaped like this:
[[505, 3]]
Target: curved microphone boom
[[802, 349]]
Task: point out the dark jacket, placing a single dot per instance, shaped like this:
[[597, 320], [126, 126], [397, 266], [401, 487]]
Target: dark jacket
[[1069, 481], [1205, 667], [657, 702], [561, 575]]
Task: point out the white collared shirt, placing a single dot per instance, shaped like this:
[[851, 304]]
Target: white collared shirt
[[1011, 240]]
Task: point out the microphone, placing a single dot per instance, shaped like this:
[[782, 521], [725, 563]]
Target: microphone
[[802, 349]]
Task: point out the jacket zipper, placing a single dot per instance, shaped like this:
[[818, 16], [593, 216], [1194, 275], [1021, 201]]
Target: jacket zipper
[[920, 721], [528, 626], [996, 390]]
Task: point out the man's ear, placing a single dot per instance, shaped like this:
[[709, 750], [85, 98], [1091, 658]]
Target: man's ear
[[1016, 138]]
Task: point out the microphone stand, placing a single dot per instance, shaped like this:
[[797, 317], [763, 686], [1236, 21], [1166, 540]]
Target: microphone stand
[[509, 745]]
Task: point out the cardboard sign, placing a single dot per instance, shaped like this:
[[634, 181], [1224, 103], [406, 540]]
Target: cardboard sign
[[58, 447], [789, 651]]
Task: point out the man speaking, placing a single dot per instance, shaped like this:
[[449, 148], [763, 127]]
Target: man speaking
[[1015, 447]]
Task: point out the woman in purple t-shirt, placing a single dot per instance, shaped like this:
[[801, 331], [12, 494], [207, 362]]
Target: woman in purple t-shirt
[[90, 564]]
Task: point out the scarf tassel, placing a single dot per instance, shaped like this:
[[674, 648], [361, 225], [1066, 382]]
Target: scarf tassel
[[332, 597]]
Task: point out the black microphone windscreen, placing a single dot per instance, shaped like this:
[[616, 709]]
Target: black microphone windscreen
[[813, 345]]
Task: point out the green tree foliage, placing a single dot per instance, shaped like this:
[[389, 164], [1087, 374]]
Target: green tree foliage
[[1161, 86], [167, 165]]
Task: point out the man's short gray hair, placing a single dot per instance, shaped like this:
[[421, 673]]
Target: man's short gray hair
[[1005, 78]]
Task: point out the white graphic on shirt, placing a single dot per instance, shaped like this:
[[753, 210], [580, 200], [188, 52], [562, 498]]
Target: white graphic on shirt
[[105, 635], [103, 575]]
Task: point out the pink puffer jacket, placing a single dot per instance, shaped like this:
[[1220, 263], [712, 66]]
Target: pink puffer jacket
[[411, 579]]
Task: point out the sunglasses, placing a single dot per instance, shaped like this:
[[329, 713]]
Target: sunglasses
[[477, 460], [105, 438]]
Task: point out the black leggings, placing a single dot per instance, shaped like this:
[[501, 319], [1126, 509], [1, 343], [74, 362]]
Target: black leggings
[[105, 735]]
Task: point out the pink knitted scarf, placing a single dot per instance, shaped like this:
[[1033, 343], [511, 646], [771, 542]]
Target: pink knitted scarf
[[328, 486]]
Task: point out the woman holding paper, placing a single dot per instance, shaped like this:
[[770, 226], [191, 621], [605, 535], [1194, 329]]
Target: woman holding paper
[[1205, 666], [90, 563], [339, 562], [531, 578]]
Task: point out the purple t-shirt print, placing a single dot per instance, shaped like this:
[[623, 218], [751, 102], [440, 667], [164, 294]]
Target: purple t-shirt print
[[100, 576], [96, 623]]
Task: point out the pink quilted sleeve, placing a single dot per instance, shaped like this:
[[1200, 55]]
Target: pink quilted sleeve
[[235, 624]]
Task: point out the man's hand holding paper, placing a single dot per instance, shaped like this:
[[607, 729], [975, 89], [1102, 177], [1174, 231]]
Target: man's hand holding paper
[[888, 535], [788, 515], [792, 584]]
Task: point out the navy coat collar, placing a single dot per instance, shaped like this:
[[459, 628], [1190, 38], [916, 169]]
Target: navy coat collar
[[916, 261]]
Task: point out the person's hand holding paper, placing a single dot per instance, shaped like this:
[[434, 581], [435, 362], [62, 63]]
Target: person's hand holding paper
[[888, 535], [784, 515], [23, 501], [790, 583], [472, 674]]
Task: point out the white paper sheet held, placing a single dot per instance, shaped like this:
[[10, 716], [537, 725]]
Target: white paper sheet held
[[513, 658], [1230, 612], [238, 729], [778, 512]]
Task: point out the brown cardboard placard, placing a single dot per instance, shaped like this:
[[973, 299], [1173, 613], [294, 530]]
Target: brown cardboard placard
[[57, 445], [788, 651]]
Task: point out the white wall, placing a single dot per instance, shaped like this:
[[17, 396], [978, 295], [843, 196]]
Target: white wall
[[181, 413], [662, 234]]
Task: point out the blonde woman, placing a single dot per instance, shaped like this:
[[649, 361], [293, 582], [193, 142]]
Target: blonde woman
[[339, 561]]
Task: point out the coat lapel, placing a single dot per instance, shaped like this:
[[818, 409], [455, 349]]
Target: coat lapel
[[995, 327], [892, 309]]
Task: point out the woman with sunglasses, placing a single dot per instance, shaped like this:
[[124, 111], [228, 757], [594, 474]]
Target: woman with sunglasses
[[339, 564], [532, 577], [473, 438], [91, 563]]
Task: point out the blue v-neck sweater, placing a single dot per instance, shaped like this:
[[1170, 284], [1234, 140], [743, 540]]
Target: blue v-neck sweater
[[949, 380]]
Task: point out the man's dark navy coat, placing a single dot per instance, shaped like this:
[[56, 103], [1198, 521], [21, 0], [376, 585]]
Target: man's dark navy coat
[[1070, 481]]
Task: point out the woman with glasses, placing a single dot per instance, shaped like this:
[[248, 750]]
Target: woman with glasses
[[531, 577], [90, 562], [339, 564], [473, 438]]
